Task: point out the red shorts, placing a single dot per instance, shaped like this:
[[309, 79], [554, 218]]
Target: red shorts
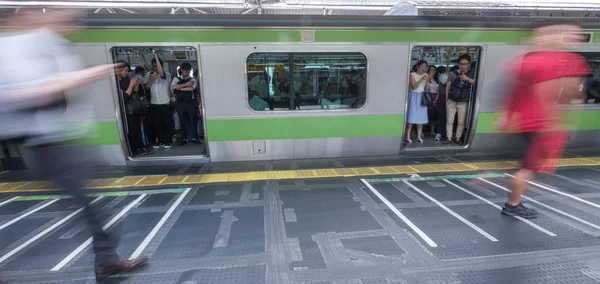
[[543, 150]]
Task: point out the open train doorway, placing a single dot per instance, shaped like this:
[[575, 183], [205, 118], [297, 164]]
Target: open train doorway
[[161, 102], [441, 97]]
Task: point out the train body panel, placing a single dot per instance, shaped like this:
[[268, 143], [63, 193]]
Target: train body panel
[[235, 132], [234, 129]]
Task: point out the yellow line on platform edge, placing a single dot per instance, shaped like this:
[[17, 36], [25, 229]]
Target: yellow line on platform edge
[[306, 174]]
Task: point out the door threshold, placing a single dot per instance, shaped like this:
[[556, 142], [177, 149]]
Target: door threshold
[[460, 148], [168, 161]]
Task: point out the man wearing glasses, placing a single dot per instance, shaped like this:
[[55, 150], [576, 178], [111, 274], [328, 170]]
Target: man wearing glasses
[[458, 94]]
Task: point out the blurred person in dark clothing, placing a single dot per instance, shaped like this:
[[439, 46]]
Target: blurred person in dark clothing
[[33, 110], [132, 99]]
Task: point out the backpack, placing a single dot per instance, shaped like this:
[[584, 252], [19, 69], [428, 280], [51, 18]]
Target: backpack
[[461, 90], [184, 96]]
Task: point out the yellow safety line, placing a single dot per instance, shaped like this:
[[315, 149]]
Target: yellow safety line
[[307, 174]]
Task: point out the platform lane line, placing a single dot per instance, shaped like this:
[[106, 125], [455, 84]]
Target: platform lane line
[[500, 208], [561, 193], [79, 249], [9, 200], [27, 214], [159, 225], [544, 205], [467, 222], [44, 232], [421, 234]]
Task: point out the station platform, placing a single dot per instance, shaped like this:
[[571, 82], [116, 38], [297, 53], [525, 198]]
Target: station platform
[[393, 220]]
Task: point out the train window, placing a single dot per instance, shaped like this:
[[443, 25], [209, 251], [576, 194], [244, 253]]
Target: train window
[[306, 81], [591, 84], [448, 76]]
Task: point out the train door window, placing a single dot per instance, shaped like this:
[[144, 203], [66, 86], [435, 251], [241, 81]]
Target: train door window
[[161, 118], [441, 96]]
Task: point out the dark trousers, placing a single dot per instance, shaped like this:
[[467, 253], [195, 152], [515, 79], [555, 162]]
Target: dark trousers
[[161, 117], [134, 132], [440, 126], [187, 112], [67, 167]]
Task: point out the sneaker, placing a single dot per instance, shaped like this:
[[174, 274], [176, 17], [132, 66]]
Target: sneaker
[[167, 147], [183, 142], [438, 137], [158, 146], [519, 210]]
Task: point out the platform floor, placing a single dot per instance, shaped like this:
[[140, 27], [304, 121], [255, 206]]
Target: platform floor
[[404, 228], [110, 178]]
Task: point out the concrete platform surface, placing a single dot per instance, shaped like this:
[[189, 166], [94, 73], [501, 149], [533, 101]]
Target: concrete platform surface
[[415, 228]]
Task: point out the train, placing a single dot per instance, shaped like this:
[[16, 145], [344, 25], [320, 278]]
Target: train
[[245, 114]]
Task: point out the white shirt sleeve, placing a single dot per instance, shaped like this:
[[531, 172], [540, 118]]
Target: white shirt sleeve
[[195, 85], [175, 81]]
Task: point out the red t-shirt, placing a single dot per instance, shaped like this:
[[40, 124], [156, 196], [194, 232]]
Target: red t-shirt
[[535, 111]]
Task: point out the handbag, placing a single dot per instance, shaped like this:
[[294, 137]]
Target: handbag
[[426, 100], [137, 105]]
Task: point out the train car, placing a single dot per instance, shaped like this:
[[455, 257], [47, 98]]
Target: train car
[[296, 87]]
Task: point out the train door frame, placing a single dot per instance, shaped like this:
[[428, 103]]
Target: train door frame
[[472, 110], [122, 122]]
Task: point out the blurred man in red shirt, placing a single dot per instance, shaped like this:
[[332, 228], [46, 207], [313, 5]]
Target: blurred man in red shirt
[[540, 79]]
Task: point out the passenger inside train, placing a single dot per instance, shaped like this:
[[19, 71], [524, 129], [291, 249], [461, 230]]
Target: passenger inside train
[[447, 104], [171, 114]]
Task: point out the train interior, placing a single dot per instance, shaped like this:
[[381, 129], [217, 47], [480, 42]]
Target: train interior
[[445, 60], [173, 57], [319, 81]]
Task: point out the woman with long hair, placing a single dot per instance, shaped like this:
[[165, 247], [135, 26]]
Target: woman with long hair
[[417, 113]]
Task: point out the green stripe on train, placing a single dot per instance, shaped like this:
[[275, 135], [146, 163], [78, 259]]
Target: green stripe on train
[[220, 130], [166, 35], [421, 36], [175, 35], [105, 133], [580, 120]]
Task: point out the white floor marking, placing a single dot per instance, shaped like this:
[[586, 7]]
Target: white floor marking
[[473, 226], [78, 250], [44, 232], [545, 205], [9, 201], [561, 193], [428, 240], [160, 223], [15, 220], [500, 208]]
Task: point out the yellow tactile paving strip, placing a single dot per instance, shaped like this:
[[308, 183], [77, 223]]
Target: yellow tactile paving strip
[[141, 181]]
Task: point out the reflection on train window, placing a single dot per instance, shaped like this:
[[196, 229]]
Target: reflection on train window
[[448, 76], [306, 81], [591, 90]]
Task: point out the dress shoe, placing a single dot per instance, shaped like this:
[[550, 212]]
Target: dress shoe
[[120, 266]]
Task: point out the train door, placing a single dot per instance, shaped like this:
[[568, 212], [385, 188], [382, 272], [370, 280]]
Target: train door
[[163, 118], [10, 157], [452, 73]]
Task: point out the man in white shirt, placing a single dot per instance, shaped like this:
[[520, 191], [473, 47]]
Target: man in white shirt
[[33, 109], [160, 113]]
